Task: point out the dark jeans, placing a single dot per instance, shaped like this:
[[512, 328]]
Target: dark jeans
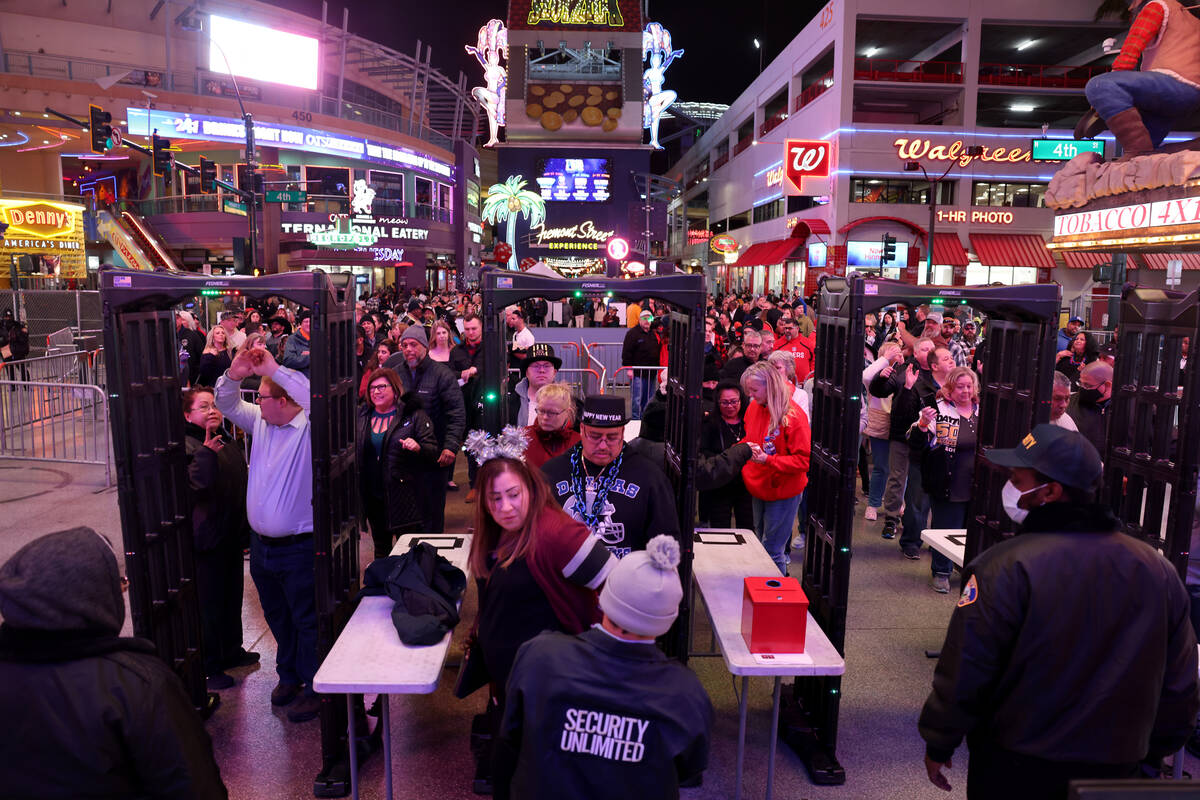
[[219, 580], [731, 507], [377, 518], [472, 470], [433, 482], [945, 514], [916, 508], [997, 774], [284, 576], [643, 385]]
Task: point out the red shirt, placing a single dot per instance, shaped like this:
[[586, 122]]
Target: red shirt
[[802, 349], [785, 474]]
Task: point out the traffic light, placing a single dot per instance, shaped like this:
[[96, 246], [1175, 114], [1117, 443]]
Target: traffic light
[[98, 124], [889, 249], [208, 175], [162, 157]]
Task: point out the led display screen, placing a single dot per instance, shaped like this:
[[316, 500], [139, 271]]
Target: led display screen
[[584, 180], [867, 254], [261, 54]]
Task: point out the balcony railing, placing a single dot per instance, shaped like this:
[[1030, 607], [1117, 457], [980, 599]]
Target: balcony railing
[[77, 69], [742, 145], [815, 90], [899, 71], [314, 204], [721, 161], [1046, 76], [772, 122]]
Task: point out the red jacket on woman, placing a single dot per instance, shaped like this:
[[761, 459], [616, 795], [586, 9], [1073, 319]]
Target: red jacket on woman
[[784, 474], [544, 446]]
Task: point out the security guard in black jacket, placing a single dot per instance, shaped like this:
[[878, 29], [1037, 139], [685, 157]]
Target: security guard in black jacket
[[1071, 654]]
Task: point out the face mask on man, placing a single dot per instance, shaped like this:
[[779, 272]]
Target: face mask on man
[[1089, 397], [1010, 496]]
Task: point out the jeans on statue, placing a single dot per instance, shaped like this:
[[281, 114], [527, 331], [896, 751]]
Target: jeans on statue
[[641, 389], [1159, 98], [944, 514], [774, 521]]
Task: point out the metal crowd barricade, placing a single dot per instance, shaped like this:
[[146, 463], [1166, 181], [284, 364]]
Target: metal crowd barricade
[[619, 381], [76, 366], [59, 341], [52, 421], [579, 385]]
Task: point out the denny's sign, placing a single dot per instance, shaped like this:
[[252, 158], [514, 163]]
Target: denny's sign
[[926, 150], [44, 228]]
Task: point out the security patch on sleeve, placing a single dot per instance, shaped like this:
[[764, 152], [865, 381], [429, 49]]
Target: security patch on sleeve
[[970, 593]]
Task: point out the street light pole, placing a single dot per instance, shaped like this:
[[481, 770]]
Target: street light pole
[[934, 184], [251, 164]]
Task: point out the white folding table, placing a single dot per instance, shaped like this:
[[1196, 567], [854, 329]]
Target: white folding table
[[722, 559], [369, 658], [950, 542]]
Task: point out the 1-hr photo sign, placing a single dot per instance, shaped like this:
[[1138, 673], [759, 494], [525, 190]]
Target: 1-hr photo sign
[[806, 159]]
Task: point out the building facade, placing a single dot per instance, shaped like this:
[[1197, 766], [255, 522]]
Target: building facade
[[366, 154], [964, 104]]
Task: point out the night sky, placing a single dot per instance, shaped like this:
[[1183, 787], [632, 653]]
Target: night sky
[[718, 37]]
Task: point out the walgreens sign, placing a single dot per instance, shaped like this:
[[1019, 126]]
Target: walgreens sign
[[1164, 213]]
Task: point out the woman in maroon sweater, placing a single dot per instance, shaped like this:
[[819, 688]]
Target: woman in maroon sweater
[[553, 434]]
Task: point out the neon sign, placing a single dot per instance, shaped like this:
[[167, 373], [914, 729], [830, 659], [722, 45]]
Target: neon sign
[[583, 235], [343, 235], [656, 45], [1164, 213], [916, 149], [976, 216], [491, 47], [806, 159], [618, 248], [724, 243], [575, 12], [775, 176], [698, 236]]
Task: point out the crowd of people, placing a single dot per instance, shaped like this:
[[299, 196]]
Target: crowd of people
[[576, 551]]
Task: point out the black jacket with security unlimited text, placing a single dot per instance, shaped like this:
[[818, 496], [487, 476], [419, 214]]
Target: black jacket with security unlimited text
[[590, 717], [1072, 642]]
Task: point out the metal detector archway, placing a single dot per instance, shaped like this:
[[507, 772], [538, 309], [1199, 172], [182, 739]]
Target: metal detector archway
[[148, 442], [1151, 461], [1018, 356], [685, 295]]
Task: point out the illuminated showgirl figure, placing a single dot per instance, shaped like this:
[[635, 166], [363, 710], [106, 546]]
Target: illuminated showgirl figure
[[492, 46], [656, 42]]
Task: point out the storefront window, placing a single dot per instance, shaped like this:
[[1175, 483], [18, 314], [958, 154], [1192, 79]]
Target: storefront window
[[389, 192], [980, 275], [943, 274], [424, 199], [332, 185], [769, 210], [775, 278], [1016, 195], [899, 190]]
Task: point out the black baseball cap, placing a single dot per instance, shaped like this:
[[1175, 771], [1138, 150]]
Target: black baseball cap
[[1064, 456], [604, 411]]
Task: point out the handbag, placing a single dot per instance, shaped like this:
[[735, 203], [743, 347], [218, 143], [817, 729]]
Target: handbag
[[472, 674], [878, 423]]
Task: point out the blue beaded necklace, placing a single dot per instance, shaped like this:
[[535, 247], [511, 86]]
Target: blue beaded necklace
[[603, 482]]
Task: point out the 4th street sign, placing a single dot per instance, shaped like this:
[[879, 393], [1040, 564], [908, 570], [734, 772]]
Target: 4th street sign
[[291, 196]]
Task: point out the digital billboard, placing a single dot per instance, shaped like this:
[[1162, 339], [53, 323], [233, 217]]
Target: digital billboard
[[867, 254], [261, 54], [584, 180]]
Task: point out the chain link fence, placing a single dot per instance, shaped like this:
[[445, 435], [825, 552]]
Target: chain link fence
[[47, 310]]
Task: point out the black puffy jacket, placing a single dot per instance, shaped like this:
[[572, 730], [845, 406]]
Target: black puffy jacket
[[1072, 642], [438, 388], [906, 403], [218, 484], [393, 475]]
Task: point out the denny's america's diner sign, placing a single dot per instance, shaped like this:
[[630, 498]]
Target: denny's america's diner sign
[[44, 228]]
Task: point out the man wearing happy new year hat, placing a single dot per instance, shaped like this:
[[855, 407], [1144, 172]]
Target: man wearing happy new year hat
[[620, 496]]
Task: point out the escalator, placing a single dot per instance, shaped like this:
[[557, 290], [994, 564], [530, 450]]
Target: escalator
[[136, 241]]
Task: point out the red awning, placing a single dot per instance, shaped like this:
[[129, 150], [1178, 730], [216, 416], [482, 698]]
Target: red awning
[[765, 253], [1012, 250], [1078, 260], [1159, 260], [912, 226], [948, 250], [807, 227]]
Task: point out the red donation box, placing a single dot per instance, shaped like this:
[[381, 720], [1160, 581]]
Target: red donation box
[[774, 615]]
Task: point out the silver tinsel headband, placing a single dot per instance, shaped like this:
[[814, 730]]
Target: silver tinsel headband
[[511, 443]]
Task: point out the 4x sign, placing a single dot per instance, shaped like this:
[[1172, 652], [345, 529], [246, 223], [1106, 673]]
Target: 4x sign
[[806, 159]]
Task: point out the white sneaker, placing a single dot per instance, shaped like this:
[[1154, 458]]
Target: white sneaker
[[870, 514], [798, 541]]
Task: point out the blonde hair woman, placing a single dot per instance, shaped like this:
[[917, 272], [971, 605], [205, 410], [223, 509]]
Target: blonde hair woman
[[216, 356], [553, 432], [441, 341], [777, 431], [945, 439]]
